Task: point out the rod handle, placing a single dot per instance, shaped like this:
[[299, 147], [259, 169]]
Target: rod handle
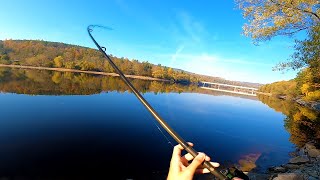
[[207, 164]]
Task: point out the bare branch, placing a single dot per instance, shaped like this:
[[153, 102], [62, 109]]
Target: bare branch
[[293, 7]]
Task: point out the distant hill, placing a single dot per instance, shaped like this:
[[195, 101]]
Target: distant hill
[[221, 80], [61, 55]]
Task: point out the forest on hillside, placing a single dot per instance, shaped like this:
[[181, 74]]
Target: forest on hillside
[[60, 55]]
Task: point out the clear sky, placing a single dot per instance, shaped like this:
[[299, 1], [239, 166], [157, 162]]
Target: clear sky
[[198, 36]]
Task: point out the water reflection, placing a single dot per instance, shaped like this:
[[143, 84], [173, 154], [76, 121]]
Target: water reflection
[[302, 123], [74, 134], [248, 162], [43, 82]]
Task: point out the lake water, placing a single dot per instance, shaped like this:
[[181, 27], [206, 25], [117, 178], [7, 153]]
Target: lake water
[[74, 126]]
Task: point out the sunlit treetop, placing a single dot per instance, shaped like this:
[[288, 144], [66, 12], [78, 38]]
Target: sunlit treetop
[[269, 18]]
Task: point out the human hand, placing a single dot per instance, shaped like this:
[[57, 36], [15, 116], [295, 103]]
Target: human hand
[[180, 169]]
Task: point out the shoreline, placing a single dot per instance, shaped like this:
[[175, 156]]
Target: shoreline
[[304, 165], [81, 71], [314, 105]]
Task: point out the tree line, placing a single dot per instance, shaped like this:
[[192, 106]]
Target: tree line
[[60, 55]]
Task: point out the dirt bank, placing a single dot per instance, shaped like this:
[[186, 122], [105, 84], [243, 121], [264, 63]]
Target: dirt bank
[[80, 71]]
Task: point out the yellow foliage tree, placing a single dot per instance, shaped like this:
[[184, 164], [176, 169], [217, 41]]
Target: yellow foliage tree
[[171, 74], [305, 89], [158, 72], [269, 18]]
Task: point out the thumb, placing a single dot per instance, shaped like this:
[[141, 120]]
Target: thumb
[[197, 161]]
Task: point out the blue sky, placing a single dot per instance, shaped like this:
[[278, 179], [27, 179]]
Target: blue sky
[[198, 36]]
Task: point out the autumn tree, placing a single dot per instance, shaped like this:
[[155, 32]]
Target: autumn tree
[[269, 18], [85, 65], [282, 88], [70, 65], [4, 58], [307, 56], [158, 72]]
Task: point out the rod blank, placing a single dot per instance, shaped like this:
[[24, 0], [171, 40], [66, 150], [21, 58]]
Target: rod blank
[[162, 122]]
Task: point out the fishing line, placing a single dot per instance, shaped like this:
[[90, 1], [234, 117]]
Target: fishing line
[[161, 121], [163, 134], [169, 142]]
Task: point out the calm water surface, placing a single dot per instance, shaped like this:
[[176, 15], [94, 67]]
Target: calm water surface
[[49, 128]]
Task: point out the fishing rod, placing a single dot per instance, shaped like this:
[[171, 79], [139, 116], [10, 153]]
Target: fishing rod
[[161, 121]]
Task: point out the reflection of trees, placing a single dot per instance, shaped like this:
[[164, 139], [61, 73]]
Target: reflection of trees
[[24, 81], [4, 74], [302, 123]]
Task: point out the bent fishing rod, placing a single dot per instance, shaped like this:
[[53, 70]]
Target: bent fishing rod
[[161, 121]]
